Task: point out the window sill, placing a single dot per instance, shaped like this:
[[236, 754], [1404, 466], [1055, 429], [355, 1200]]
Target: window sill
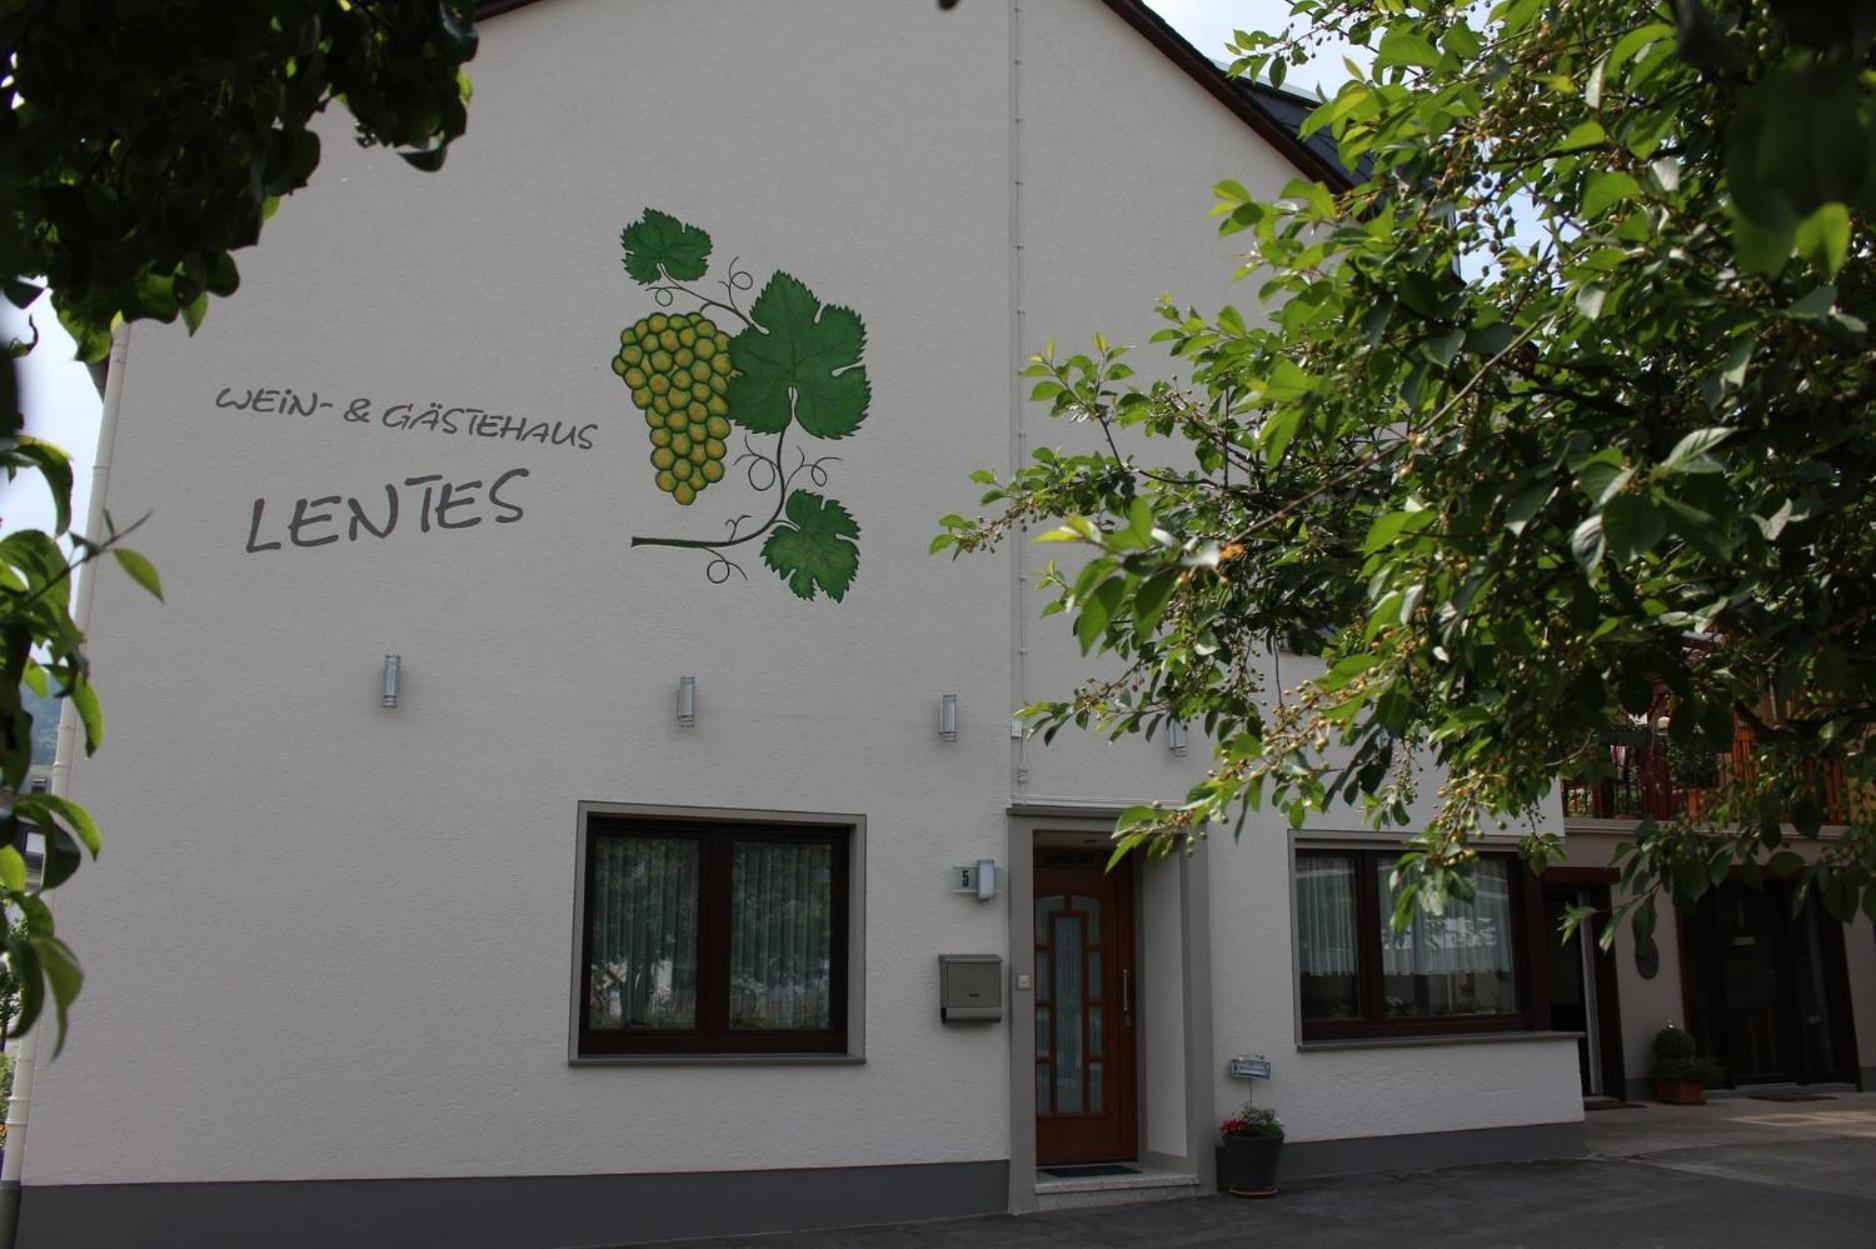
[[717, 1060], [1449, 1038]]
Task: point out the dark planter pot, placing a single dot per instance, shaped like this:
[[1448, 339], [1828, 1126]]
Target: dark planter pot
[[1680, 1092], [1250, 1165]]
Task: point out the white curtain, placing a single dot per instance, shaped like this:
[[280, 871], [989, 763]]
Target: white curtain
[[643, 909], [1473, 936], [781, 937], [1325, 914]]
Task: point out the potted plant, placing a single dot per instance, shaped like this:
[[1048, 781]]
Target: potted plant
[[1253, 1143], [1681, 1071]]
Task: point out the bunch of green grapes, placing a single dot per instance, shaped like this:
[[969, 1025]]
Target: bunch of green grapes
[[678, 368]]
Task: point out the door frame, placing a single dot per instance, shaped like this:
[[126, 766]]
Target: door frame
[[1605, 985], [1024, 821]]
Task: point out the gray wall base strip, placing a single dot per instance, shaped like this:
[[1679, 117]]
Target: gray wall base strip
[[1640, 1089], [512, 1212], [1426, 1151]]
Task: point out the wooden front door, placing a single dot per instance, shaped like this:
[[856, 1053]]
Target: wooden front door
[[1767, 986], [1086, 994]]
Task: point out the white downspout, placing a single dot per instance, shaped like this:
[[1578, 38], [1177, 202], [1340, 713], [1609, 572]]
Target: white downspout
[[25, 1049]]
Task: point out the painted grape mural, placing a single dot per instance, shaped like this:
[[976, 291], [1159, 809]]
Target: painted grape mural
[[703, 370]]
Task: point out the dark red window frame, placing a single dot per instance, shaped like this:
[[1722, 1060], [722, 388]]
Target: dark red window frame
[[713, 1035], [1527, 933]]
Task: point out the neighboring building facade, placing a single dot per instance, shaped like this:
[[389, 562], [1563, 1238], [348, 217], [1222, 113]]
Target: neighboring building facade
[[1775, 993], [566, 949]]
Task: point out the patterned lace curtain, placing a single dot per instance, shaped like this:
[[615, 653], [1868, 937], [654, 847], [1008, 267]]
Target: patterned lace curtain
[[1325, 914], [781, 935], [1471, 936], [644, 917]]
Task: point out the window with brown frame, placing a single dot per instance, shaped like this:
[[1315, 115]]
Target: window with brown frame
[[1463, 971], [713, 938]]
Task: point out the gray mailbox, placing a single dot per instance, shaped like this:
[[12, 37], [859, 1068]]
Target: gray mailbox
[[970, 988]]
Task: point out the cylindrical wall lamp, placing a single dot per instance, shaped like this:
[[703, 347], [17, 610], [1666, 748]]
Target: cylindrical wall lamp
[[687, 702], [1176, 736], [948, 717], [392, 665]]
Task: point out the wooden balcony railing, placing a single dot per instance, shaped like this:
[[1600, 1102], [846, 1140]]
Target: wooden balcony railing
[[1647, 778]]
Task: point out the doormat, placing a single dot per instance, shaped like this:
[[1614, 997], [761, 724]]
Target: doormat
[[1791, 1097], [1613, 1106], [1091, 1169]]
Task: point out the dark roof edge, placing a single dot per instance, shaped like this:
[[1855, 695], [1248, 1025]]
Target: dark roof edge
[[1225, 90], [1197, 66]]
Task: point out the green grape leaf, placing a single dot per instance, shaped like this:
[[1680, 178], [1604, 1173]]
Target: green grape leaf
[[799, 359], [815, 550], [659, 245]]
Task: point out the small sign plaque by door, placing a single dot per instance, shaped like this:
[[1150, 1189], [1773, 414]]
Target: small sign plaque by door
[[1249, 1068]]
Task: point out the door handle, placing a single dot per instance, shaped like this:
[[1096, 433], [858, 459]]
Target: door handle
[[1126, 996]]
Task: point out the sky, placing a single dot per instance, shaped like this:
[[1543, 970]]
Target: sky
[[62, 406]]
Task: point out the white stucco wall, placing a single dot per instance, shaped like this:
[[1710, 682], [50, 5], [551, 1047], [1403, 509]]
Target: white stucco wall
[[332, 941], [329, 940]]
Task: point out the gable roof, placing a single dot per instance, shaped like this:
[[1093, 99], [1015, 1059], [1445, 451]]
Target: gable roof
[[1275, 115]]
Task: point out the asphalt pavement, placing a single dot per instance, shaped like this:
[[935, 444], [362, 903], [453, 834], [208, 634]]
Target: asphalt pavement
[[1734, 1173]]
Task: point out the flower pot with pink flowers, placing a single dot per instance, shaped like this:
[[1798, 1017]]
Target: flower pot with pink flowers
[[1253, 1144]]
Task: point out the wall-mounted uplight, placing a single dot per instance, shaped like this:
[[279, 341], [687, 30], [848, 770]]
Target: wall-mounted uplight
[[948, 717], [686, 702], [1176, 736], [392, 666]]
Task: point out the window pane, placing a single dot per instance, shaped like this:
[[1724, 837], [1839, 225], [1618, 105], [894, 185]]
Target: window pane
[[1068, 1007], [1459, 963], [643, 911], [1325, 936], [781, 935]]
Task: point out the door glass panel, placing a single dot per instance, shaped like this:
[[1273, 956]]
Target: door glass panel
[[1045, 906], [1044, 986], [1042, 1088], [643, 912], [1095, 990], [1094, 1087], [1094, 1031], [1042, 1032], [1091, 907], [1069, 1005]]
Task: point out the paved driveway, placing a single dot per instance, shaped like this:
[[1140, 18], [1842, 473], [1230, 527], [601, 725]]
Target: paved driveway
[[1736, 1173]]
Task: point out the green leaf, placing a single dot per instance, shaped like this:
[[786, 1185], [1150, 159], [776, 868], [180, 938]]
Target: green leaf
[[141, 570], [799, 360], [1824, 237], [1149, 601], [1690, 453], [1585, 135], [1602, 190], [659, 245], [90, 714], [814, 551], [1631, 526], [1762, 249]]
